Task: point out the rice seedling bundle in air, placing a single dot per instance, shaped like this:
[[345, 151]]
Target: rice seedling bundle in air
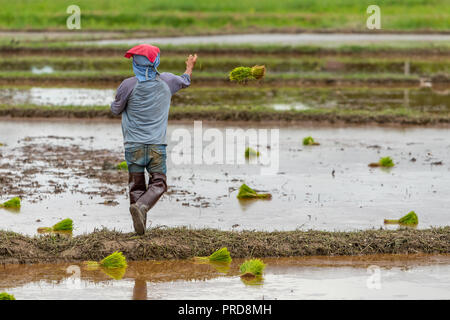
[[244, 74], [6, 296], [13, 203], [250, 152], [411, 219], [114, 260], [63, 225], [221, 255], [122, 166], [245, 192], [252, 268], [309, 141], [385, 162]]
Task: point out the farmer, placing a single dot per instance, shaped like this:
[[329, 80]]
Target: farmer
[[144, 102]]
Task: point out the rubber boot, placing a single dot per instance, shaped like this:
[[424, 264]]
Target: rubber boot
[[157, 186], [136, 183]]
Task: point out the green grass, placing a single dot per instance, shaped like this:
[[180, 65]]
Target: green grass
[[200, 16], [222, 63], [409, 219], [254, 267]]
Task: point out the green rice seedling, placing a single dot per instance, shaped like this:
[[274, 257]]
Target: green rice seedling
[[13, 203], [253, 267], [250, 152], [385, 162], [65, 225], [309, 141], [221, 255], [245, 192], [122, 166], [244, 74], [6, 296], [114, 260], [410, 219]]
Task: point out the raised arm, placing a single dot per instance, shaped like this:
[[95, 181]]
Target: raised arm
[[175, 82]]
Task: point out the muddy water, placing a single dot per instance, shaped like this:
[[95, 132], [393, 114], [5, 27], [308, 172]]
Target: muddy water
[[423, 99], [302, 38], [305, 193], [371, 277], [57, 96]]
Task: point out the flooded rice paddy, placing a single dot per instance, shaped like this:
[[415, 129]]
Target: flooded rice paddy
[[370, 277], [277, 38], [281, 99], [67, 169]]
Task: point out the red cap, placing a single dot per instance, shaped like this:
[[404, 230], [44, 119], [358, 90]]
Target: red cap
[[146, 50]]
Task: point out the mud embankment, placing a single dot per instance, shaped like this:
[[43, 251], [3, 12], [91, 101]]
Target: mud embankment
[[184, 243], [224, 114], [280, 51], [198, 81]]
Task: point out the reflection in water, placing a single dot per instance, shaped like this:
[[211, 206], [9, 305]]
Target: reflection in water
[[410, 276], [140, 289]]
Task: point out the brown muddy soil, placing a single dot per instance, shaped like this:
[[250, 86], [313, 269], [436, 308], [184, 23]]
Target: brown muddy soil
[[184, 243], [38, 156], [112, 80], [429, 53]]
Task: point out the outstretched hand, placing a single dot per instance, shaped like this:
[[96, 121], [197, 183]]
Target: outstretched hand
[[190, 63]]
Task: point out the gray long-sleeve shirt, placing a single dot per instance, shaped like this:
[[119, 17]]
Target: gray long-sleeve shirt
[[145, 107]]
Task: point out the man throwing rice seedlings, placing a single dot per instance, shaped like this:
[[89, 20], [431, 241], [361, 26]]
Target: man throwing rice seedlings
[[144, 102]]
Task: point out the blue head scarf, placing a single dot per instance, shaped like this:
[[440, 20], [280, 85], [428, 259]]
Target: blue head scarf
[[144, 69]]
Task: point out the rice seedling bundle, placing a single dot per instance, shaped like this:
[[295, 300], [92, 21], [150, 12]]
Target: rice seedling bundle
[[385, 162], [6, 296], [221, 255], [63, 225], [253, 267], [250, 152], [245, 192], [122, 166], [309, 141], [114, 260], [411, 219], [13, 203], [244, 74]]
